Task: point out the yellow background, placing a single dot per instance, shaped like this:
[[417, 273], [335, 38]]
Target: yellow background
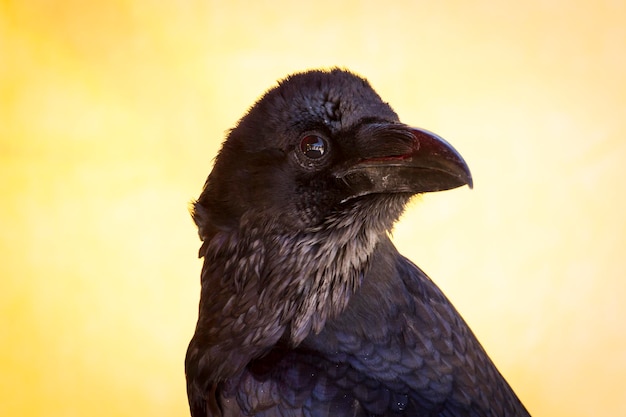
[[111, 113]]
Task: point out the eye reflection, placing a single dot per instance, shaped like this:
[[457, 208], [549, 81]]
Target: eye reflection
[[313, 146]]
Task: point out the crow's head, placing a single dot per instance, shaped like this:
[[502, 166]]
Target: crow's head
[[320, 144]]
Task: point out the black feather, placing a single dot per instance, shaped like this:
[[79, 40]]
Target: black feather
[[307, 308]]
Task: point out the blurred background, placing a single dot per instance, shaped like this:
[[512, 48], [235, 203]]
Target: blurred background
[[111, 113]]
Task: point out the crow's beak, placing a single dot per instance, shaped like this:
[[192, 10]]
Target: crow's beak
[[405, 160]]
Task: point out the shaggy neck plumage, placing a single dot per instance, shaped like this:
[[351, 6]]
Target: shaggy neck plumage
[[315, 270]]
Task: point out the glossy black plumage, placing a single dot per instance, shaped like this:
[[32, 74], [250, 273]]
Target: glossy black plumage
[[307, 308]]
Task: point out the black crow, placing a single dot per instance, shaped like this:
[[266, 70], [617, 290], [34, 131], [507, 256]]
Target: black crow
[[307, 308]]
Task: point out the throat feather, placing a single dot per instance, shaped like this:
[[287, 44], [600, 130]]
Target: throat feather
[[323, 269], [279, 282]]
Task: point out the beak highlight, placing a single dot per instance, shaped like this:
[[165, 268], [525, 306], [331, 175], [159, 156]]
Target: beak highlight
[[435, 153]]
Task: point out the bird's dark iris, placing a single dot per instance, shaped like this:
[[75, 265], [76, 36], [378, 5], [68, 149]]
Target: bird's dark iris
[[313, 146]]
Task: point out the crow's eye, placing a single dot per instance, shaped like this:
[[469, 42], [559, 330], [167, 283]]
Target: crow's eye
[[313, 146]]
